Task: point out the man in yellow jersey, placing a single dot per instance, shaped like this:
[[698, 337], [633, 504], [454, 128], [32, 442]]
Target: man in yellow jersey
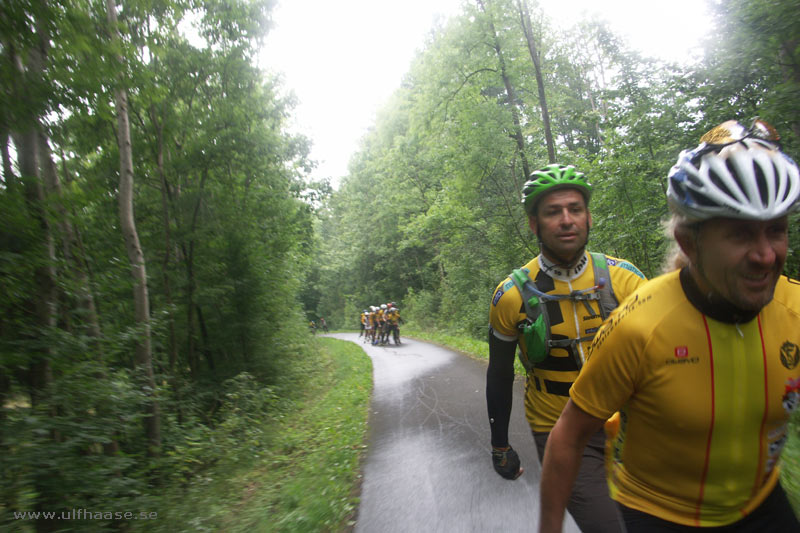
[[702, 362], [573, 291]]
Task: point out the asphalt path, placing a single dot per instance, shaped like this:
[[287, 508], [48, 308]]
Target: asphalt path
[[428, 466]]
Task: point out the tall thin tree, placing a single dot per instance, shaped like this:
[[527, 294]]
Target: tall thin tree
[[527, 30], [144, 353], [510, 93]]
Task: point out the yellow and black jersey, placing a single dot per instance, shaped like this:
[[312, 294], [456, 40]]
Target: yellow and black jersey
[[704, 404], [392, 316], [548, 384]]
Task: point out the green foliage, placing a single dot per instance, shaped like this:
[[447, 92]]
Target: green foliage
[[288, 464], [63, 455], [222, 215], [790, 472], [420, 307]]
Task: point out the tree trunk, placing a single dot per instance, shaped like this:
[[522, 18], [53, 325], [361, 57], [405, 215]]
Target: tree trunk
[[165, 263], [527, 29], [68, 243], [790, 66], [9, 178], [44, 304], [206, 344], [144, 355], [510, 95]]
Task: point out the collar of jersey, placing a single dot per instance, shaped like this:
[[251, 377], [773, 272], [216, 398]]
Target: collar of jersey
[[564, 274]]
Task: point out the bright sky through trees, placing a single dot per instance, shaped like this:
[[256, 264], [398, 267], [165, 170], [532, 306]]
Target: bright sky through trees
[[344, 59]]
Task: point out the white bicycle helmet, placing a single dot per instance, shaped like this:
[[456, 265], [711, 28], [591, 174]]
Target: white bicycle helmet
[[735, 172]]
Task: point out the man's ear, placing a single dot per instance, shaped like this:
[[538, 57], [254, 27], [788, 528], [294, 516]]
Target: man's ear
[[687, 240], [533, 224], [589, 220]]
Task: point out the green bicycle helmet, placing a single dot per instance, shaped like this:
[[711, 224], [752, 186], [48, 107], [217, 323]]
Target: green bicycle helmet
[[550, 178]]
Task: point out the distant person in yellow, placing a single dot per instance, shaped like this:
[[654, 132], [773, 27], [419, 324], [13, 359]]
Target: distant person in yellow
[[392, 328], [703, 362], [551, 308], [363, 322]]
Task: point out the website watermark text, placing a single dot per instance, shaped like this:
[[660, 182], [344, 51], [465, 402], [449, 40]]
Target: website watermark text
[[85, 514]]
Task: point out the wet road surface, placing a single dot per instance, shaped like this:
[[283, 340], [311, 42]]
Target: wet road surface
[[428, 466]]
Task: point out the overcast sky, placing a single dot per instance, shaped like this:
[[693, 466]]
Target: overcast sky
[[344, 59]]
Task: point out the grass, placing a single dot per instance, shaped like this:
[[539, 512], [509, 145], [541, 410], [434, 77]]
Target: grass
[[477, 349], [307, 474]]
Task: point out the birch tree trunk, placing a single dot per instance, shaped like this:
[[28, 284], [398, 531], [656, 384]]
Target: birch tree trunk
[[144, 354]]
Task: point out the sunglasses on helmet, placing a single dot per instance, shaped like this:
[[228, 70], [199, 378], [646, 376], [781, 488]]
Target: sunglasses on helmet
[[759, 129]]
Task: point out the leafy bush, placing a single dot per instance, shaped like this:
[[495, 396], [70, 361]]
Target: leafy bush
[[420, 307]]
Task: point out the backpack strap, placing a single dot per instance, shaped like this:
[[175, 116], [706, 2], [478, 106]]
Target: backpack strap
[[525, 286], [534, 302], [608, 300], [534, 309]]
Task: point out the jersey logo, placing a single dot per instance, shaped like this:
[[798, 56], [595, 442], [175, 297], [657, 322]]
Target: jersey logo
[[790, 355], [497, 296], [631, 268], [791, 398], [624, 264], [682, 357]]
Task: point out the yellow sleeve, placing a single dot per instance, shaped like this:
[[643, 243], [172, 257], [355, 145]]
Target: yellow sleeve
[[504, 311], [625, 277]]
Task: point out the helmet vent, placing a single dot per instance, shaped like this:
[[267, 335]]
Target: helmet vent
[[719, 183], [701, 199], [761, 182]]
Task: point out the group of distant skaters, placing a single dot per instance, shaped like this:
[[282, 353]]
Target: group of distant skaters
[[322, 325], [380, 324], [661, 405]]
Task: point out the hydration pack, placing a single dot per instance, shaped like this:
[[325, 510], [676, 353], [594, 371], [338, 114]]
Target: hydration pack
[[536, 327]]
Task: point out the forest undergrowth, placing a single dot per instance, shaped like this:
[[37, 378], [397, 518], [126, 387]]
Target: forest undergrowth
[[295, 470]]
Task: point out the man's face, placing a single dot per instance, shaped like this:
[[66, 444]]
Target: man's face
[[741, 260], [562, 224]]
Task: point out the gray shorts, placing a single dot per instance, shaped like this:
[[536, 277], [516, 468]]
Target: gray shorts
[[590, 505]]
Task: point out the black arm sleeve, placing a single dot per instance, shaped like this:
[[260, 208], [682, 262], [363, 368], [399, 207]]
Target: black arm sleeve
[[499, 387]]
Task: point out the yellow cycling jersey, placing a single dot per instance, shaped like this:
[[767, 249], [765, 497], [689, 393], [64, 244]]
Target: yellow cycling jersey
[[392, 316], [547, 389], [704, 404]]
